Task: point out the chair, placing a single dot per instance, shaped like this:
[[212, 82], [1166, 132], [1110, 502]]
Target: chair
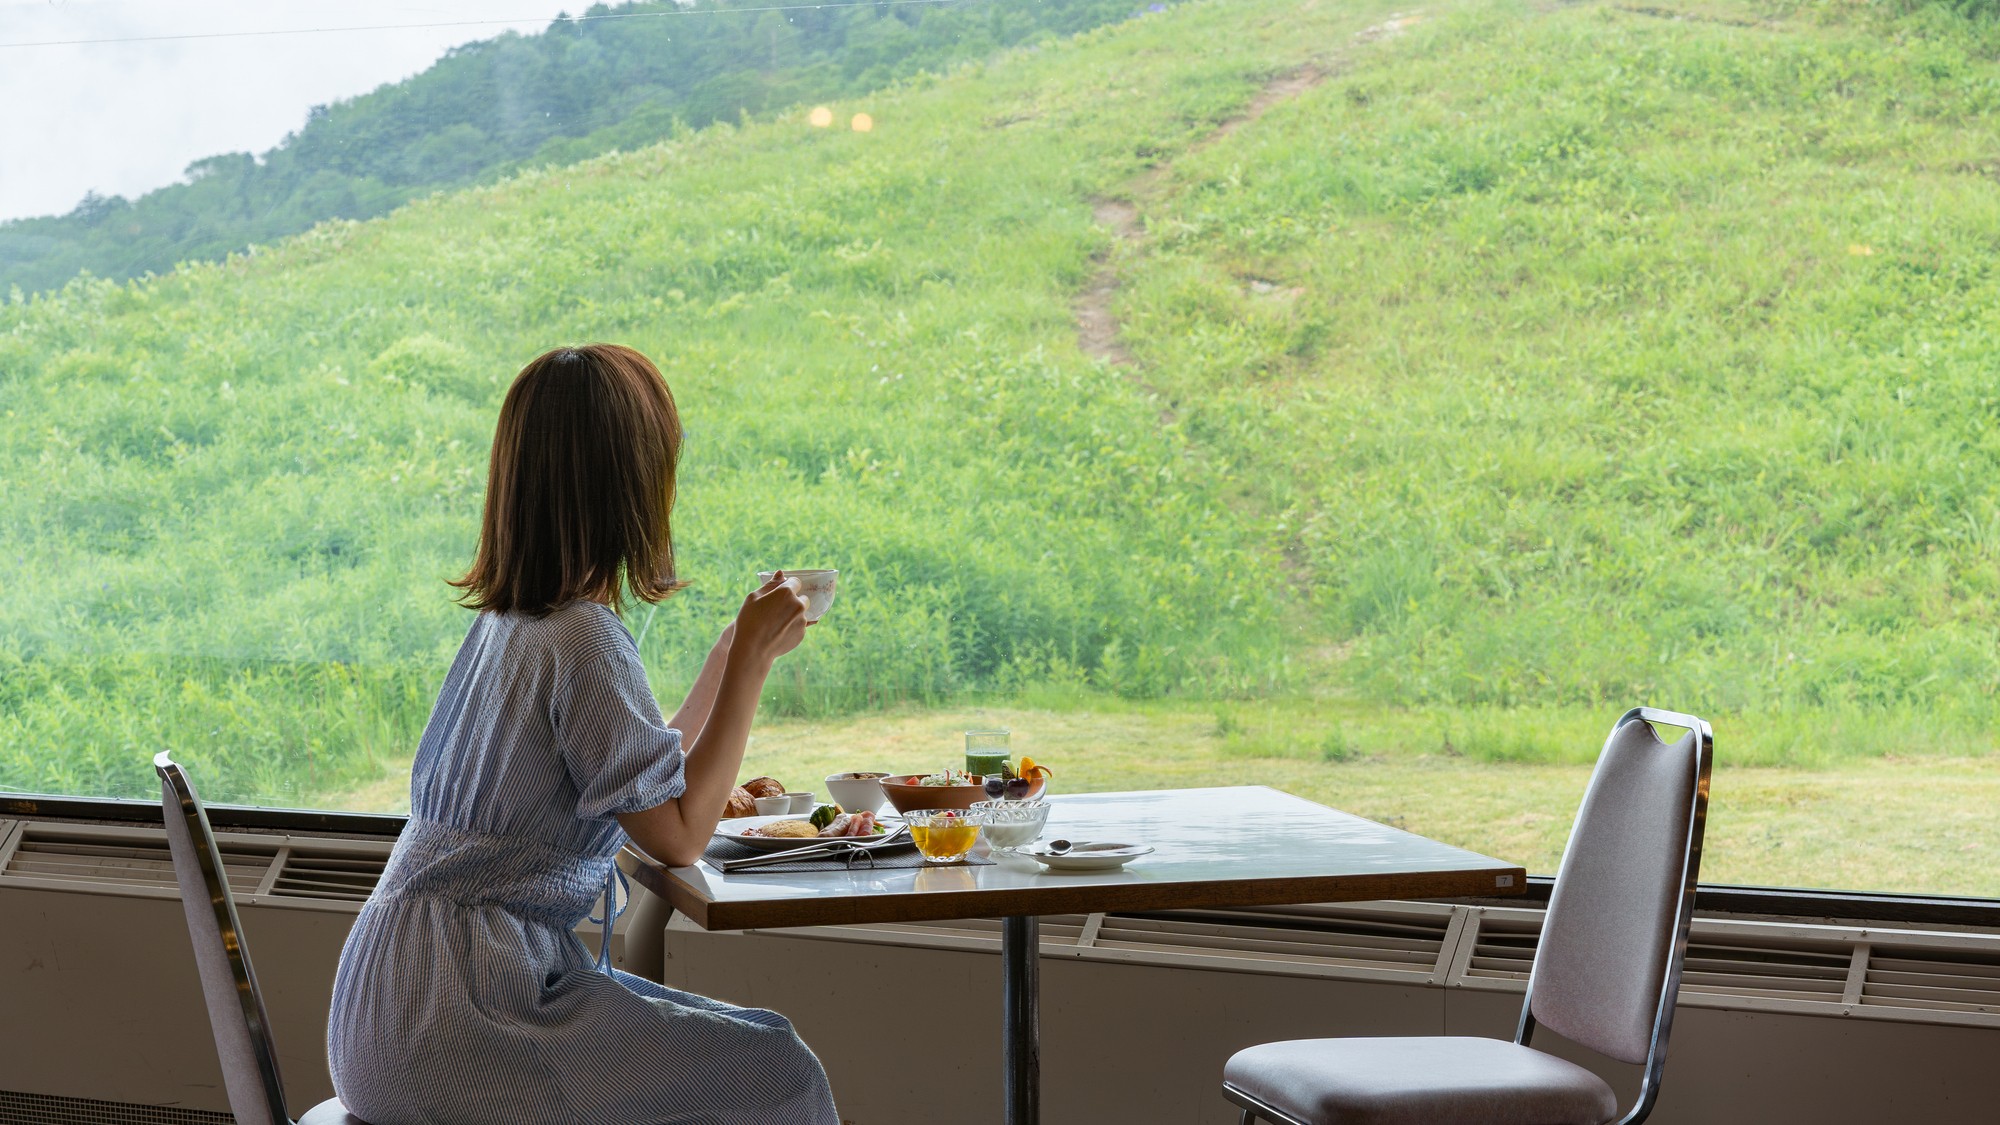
[[1606, 973], [235, 1007]]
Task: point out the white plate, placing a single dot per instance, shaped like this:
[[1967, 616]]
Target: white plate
[[1089, 857], [732, 829]]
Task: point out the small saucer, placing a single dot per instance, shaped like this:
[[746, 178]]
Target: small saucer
[[1088, 857]]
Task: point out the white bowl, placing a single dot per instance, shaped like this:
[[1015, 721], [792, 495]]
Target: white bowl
[[856, 794], [1013, 824], [781, 805]]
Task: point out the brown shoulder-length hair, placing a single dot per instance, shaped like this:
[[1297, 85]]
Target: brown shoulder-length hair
[[580, 486]]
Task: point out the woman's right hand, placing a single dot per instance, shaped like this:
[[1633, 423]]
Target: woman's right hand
[[771, 623]]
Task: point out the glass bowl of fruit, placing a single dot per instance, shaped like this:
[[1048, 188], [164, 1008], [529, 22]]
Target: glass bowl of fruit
[[1026, 784], [1012, 824], [945, 835]]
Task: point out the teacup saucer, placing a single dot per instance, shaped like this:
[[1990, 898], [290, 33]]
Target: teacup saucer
[[1088, 857]]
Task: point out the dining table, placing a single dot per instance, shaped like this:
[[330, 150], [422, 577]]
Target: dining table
[[1234, 846]]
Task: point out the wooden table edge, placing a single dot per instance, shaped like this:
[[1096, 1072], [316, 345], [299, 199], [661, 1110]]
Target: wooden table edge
[[1082, 898]]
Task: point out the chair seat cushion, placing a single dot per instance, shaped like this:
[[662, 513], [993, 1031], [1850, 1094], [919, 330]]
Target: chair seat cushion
[[1454, 1080], [330, 1112]]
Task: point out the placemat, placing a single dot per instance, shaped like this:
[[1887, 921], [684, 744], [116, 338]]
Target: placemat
[[895, 856]]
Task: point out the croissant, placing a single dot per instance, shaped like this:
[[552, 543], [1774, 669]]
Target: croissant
[[764, 787], [741, 803]]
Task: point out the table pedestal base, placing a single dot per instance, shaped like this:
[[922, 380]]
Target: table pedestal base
[[1020, 983]]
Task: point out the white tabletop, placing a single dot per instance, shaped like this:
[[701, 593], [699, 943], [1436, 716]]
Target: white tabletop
[[1237, 846]]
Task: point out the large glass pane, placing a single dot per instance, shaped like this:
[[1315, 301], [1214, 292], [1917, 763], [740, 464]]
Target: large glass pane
[[1372, 405]]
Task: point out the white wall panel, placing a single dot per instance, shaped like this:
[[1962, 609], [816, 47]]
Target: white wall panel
[[1128, 1044], [99, 998]]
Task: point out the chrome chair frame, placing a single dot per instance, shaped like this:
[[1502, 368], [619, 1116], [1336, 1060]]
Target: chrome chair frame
[[1255, 1110], [209, 858]]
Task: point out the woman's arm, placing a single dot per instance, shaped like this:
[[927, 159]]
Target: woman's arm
[[700, 702], [771, 623]]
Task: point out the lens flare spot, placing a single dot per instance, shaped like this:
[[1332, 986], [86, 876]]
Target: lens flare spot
[[862, 123], [821, 116]]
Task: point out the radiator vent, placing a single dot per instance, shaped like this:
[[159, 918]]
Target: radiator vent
[[1778, 966], [136, 859], [1739, 964], [964, 933], [1962, 981], [1911, 976], [1787, 968], [1503, 951], [1377, 941], [330, 876], [1394, 942], [1774, 966], [44, 1109], [263, 870]]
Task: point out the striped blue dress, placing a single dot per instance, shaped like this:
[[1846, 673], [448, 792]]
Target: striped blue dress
[[463, 996]]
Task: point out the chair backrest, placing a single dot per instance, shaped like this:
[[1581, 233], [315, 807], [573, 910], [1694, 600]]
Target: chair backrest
[[235, 1007], [1608, 966]]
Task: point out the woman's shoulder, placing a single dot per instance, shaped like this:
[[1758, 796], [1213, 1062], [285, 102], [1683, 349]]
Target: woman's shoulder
[[583, 629]]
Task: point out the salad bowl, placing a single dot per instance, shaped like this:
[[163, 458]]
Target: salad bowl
[[908, 795]]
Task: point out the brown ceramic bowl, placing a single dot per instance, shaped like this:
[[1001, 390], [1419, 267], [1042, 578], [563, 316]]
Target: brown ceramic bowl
[[907, 796]]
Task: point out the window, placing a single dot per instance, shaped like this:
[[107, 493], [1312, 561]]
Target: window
[[1372, 405]]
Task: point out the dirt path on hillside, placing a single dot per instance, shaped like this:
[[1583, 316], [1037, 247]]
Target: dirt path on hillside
[[1097, 328]]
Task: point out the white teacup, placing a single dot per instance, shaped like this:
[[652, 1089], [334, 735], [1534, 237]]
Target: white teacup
[[815, 585]]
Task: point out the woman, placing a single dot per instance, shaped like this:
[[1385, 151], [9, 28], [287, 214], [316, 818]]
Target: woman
[[463, 995]]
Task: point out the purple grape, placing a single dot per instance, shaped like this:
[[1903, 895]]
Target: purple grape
[[995, 786], [1017, 789]]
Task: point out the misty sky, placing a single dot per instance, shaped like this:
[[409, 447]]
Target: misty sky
[[121, 118]]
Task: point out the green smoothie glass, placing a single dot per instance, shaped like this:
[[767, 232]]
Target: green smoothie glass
[[986, 752]]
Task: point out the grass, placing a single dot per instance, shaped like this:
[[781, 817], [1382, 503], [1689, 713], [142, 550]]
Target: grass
[[1649, 359], [1877, 823]]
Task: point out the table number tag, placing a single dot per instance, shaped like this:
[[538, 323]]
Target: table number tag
[[1503, 880]]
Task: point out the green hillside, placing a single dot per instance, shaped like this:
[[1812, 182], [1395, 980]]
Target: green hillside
[[1606, 356], [1508, 363], [614, 78]]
